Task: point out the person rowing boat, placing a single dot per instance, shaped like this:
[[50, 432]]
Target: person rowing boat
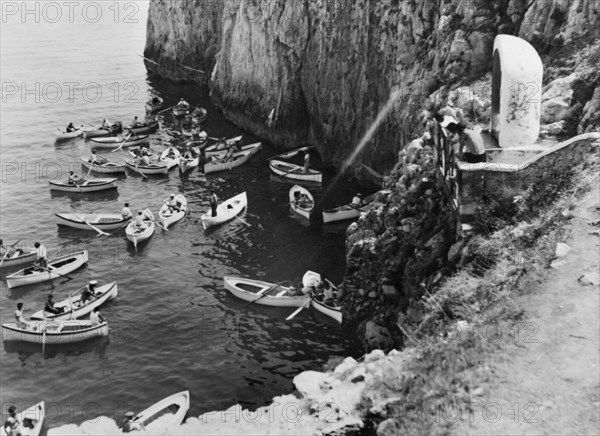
[[97, 159], [9, 252], [126, 212], [105, 124], [70, 128], [49, 306], [89, 293], [172, 204], [73, 178]]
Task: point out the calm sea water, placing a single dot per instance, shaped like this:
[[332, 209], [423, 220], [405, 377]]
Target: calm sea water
[[173, 325]]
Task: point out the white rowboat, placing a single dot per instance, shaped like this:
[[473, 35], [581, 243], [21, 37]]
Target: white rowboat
[[62, 135], [254, 290], [220, 148], [142, 127], [18, 259], [171, 156], [220, 154], [152, 168], [348, 211], [301, 201], [168, 217], [154, 106], [85, 185], [238, 159], [73, 309], [31, 420], [103, 168], [226, 211], [114, 142], [58, 267], [294, 172], [317, 301], [186, 164], [139, 234], [104, 221], [165, 414], [54, 332]]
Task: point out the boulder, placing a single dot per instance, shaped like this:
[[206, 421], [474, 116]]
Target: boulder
[[553, 129], [562, 250], [377, 337], [557, 98]]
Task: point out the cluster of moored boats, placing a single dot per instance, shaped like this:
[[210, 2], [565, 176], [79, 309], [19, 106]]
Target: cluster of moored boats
[[67, 325]]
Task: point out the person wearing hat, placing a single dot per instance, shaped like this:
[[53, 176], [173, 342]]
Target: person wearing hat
[[49, 307], [129, 424], [172, 203], [357, 201], [126, 212], [89, 292]]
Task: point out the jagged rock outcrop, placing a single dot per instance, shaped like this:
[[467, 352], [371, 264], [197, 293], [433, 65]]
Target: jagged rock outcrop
[[326, 67]]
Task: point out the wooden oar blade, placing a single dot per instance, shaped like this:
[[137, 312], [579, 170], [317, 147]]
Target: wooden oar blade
[[297, 311]]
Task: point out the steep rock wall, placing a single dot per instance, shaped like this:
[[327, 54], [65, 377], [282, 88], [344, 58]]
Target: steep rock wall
[[328, 66]]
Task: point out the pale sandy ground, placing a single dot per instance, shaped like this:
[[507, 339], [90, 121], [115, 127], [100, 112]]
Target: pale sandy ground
[[547, 381]]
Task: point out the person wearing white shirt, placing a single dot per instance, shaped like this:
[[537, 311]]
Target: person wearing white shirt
[[96, 318], [41, 254], [126, 212]]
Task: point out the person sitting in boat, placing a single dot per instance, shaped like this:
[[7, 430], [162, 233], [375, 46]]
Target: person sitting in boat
[[41, 254], [357, 201], [214, 201], [306, 161], [9, 252], [183, 104], [12, 425], [135, 122], [95, 317], [126, 212], [145, 155], [150, 117], [188, 155], [229, 155], [129, 424], [105, 124], [73, 178], [49, 307], [329, 294], [172, 204], [89, 293], [21, 322], [222, 144], [301, 199], [139, 220], [70, 128]]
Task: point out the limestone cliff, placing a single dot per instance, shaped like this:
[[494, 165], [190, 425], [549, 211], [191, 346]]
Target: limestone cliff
[[327, 67]]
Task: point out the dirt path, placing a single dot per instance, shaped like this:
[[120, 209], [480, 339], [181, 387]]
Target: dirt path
[[547, 381]]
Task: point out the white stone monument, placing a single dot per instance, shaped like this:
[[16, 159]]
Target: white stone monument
[[516, 92]]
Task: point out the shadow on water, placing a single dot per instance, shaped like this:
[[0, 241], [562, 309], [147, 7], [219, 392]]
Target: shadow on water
[[27, 350]]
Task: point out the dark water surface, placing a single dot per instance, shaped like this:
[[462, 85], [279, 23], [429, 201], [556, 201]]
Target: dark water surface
[[173, 325]]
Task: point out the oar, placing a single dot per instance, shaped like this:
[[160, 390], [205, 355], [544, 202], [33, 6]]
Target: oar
[[297, 311], [264, 294], [125, 224], [44, 342], [8, 252], [50, 271], [159, 225], [164, 110], [93, 227], [124, 141], [242, 221], [137, 167]]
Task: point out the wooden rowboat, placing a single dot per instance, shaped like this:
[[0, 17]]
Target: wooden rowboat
[[264, 293], [292, 153], [103, 221], [168, 217], [114, 142], [96, 132], [139, 234], [165, 414], [186, 164], [18, 259], [200, 115], [104, 167], [239, 158], [57, 268], [226, 211], [88, 185], [220, 154], [72, 307], [221, 147], [330, 307], [142, 127], [348, 211], [31, 420], [171, 156], [62, 135], [54, 332], [301, 201], [182, 111], [152, 168], [294, 172], [153, 106]]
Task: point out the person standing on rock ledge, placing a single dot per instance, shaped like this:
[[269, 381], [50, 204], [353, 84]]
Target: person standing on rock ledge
[[472, 148]]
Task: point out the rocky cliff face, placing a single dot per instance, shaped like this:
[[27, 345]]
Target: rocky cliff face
[[326, 67]]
